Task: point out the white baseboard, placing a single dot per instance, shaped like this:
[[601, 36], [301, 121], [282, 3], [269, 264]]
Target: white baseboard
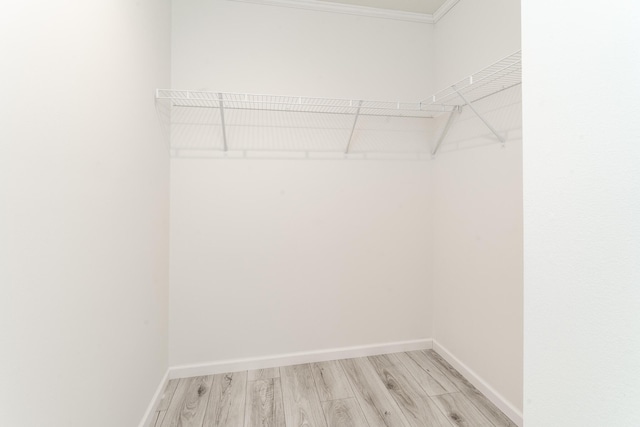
[[496, 398], [235, 365], [155, 401]]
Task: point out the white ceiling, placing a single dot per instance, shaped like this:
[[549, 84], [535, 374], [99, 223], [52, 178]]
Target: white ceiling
[[417, 6]]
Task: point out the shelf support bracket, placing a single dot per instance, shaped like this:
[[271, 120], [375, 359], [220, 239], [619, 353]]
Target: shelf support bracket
[[224, 128], [452, 116], [353, 128], [486, 123]]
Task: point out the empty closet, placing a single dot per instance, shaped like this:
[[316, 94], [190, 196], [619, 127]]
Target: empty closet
[[341, 181], [193, 187]]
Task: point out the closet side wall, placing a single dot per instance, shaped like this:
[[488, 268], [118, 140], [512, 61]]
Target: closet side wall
[[278, 256], [582, 214], [478, 206], [472, 35], [84, 203]]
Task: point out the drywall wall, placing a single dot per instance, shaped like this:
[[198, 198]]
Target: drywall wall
[[250, 48], [477, 262], [272, 257], [581, 210], [478, 206], [83, 212], [472, 35]]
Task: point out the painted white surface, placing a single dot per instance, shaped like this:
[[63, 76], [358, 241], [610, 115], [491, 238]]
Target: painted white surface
[[296, 256], [418, 6], [347, 9], [581, 211], [83, 212], [278, 360], [477, 264], [473, 35], [148, 419], [514, 414], [248, 48], [477, 202]]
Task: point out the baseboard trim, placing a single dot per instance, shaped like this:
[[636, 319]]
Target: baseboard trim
[[235, 365], [155, 401], [496, 398]]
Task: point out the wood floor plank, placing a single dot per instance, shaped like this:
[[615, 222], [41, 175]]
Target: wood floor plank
[[300, 397], [344, 413], [227, 400], [167, 395], [264, 404], [459, 409], [435, 382], [263, 374], [331, 381], [189, 403], [428, 383], [378, 406], [417, 407], [488, 409], [402, 390]]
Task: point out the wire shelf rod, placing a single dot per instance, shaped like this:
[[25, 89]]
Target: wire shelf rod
[[340, 113], [506, 72], [209, 99], [495, 85]]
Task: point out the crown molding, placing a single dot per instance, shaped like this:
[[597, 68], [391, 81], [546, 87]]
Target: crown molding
[[372, 12], [442, 10]]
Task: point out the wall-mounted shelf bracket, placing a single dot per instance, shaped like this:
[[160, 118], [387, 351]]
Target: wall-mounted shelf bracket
[[452, 117], [224, 128], [353, 128], [486, 123], [303, 125], [500, 76]]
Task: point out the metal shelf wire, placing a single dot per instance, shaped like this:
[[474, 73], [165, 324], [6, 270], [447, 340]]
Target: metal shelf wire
[[223, 122], [501, 75], [240, 101]]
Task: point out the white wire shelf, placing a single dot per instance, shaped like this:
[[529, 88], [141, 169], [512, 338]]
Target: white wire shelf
[[241, 101], [503, 74], [228, 122]]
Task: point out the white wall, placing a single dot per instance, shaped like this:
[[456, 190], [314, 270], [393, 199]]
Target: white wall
[[478, 206], [478, 260], [83, 212], [248, 48], [271, 257], [472, 35], [582, 204]]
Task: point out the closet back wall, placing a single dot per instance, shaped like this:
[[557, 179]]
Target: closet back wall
[[272, 256]]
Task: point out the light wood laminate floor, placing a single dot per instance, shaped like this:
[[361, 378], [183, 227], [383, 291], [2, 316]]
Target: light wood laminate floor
[[412, 389]]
